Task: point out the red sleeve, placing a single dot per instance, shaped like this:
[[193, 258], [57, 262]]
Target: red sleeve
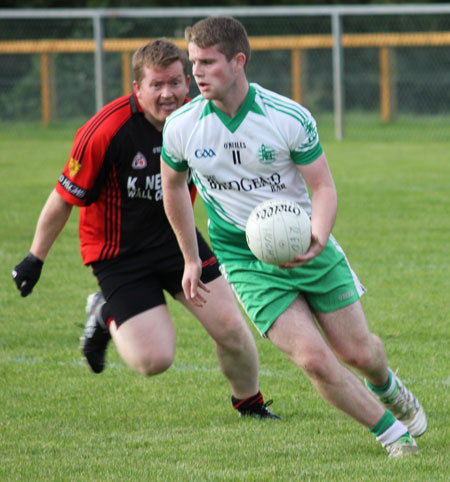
[[89, 149]]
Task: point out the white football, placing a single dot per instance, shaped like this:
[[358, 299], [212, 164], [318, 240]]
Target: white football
[[277, 230]]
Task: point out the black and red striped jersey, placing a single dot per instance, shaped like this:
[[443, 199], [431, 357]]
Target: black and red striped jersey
[[113, 174]]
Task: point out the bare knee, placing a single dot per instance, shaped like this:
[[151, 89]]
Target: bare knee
[[146, 342], [317, 365], [365, 355], [153, 364], [360, 360], [234, 335]]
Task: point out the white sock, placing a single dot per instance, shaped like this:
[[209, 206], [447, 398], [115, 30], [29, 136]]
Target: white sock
[[393, 433]]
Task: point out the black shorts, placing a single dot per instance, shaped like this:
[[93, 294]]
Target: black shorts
[[133, 284]]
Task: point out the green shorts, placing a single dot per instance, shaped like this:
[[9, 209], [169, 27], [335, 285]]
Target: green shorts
[[327, 283]]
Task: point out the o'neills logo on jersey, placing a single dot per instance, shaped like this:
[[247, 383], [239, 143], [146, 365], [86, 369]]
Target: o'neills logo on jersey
[[246, 185], [234, 145], [139, 161]]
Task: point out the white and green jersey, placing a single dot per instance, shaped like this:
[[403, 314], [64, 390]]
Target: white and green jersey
[[238, 163]]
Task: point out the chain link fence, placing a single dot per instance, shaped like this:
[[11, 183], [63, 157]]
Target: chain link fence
[[386, 68]]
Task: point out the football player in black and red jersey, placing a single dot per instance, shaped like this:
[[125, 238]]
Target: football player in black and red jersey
[[113, 175]]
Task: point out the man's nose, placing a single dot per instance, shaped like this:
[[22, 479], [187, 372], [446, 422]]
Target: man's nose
[[196, 70], [166, 90]]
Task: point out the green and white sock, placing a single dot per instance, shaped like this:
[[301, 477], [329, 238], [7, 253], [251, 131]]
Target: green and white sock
[[385, 390], [388, 429]]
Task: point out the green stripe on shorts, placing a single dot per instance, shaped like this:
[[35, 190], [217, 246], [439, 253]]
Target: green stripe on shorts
[[327, 283]]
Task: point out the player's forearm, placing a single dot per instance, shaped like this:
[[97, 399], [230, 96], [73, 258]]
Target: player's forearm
[[178, 207], [323, 198], [53, 218], [323, 212], [181, 218]]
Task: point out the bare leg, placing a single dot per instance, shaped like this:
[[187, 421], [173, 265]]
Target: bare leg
[[235, 345], [350, 338], [146, 342], [296, 334], [348, 334]]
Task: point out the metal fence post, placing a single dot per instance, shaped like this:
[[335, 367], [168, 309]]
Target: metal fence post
[[99, 61], [338, 87]]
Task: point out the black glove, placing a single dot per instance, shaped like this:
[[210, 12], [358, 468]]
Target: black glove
[[26, 274]]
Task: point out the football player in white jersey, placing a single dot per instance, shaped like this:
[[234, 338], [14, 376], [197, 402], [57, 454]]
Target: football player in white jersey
[[127, 240], [245, 144]]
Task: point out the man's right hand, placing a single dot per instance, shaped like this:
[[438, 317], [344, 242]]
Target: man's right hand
[[26, 274], [191, 283]]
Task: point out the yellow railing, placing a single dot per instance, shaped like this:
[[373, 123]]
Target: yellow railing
[[295, 43]]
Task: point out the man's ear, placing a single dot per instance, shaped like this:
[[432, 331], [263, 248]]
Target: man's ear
[[240, 60], [135, 87]]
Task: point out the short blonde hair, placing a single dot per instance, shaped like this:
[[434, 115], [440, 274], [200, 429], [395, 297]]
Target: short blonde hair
[[160, 52], [227, 33]]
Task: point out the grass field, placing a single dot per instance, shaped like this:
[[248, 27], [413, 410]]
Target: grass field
[[60, 422]]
